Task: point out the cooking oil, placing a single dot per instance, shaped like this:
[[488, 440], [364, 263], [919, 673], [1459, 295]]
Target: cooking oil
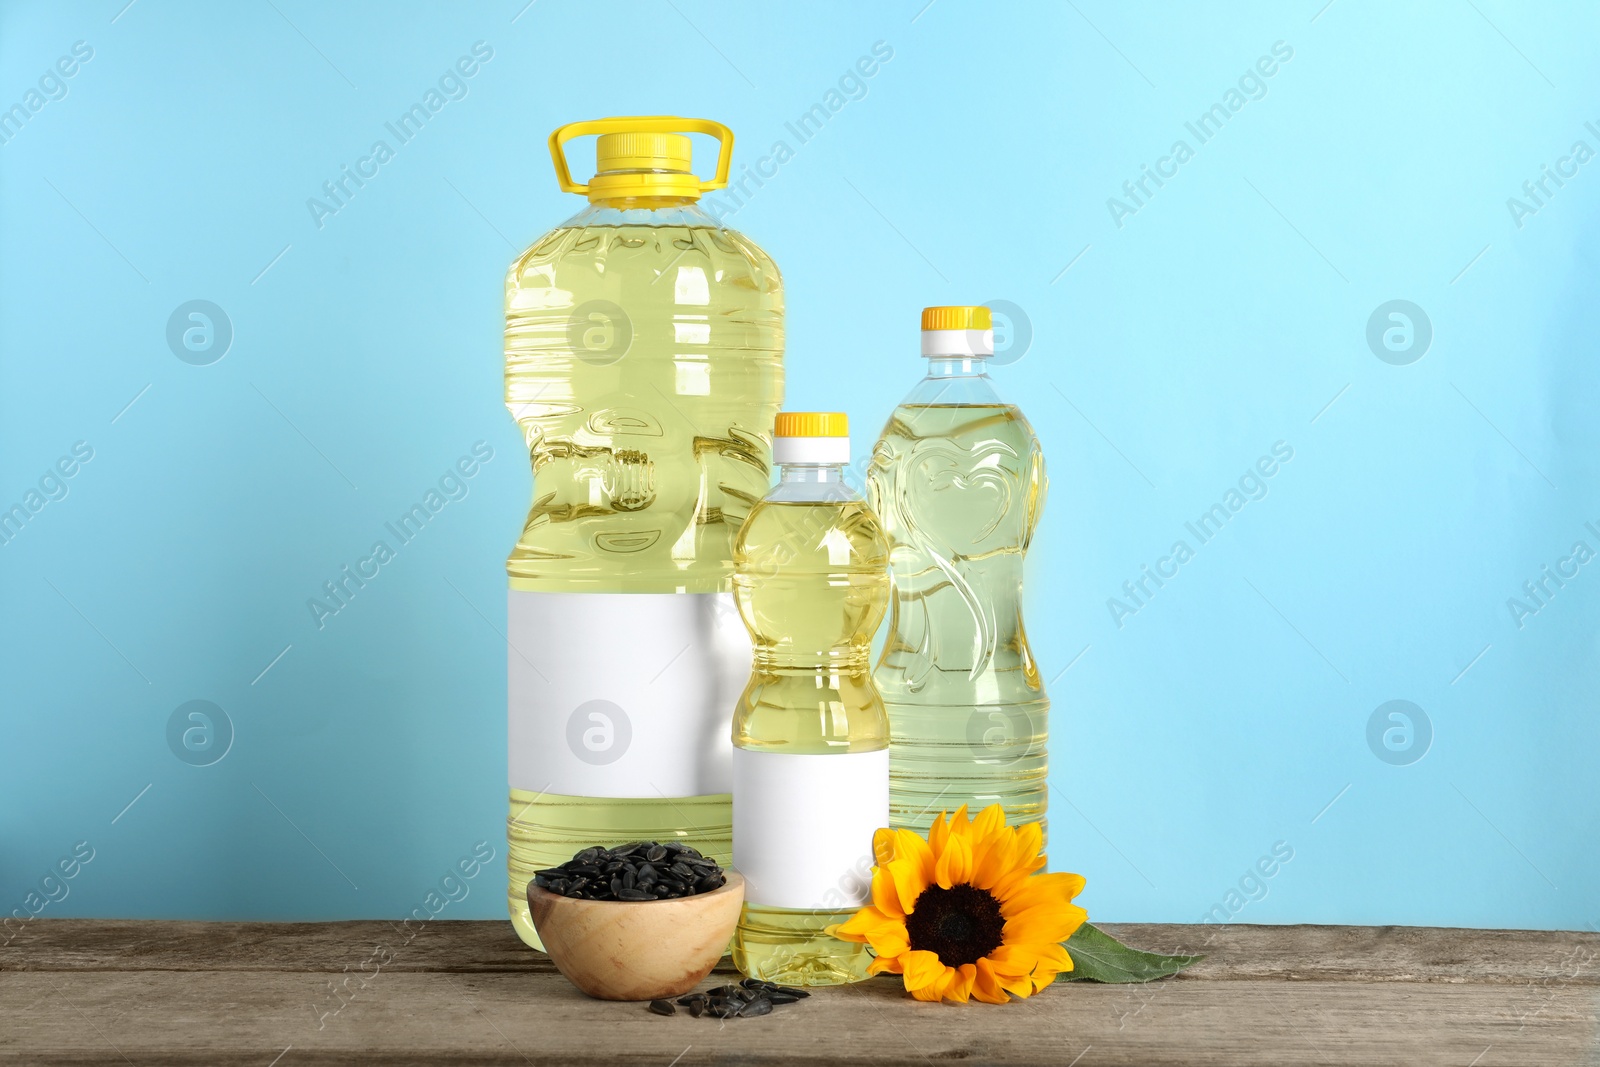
[[810, 736], [643, 364], [958, 481]]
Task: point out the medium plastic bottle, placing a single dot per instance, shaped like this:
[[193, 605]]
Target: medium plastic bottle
[[643, 363], [958, 481], [810, 756]]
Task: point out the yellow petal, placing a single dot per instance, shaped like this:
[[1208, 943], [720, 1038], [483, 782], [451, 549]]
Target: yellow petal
[[988, 821], [1053, 955], [855, 928], [911, 877], [886, 934], [1056, 888], [954, 865], [922, 969], [1014, 961], [883, 846], [994, 857], [886, 965], [986, 986], [1049, 961], [885, 894], [960, 985], [938, 833], [960, 825], [1045, 924], [1030, 839]]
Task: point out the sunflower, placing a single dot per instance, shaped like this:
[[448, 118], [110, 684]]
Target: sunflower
[[963, 913]]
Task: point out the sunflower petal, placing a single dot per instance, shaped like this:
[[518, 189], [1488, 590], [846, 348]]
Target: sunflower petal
[[887, 965], [993, 857], [1045, 924], [882, 846], [1057, 888], [1030, 840], [886, 934], [922, 969], [885, 893], [988, 821], [1014, 960], [985, 986], [960, 986], [938, 832], [954, 865], [911, 869], [855, 927]]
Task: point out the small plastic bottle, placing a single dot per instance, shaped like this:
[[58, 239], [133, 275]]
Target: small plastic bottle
[[810, 737]]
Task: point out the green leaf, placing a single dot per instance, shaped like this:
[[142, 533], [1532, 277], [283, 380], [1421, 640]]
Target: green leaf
[[1099, 957]]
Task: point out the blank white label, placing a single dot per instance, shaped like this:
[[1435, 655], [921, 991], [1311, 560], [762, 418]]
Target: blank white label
[[623, 694], [803, 825]]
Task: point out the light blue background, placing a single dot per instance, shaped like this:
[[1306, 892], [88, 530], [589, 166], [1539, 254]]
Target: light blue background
[[1227, 314]]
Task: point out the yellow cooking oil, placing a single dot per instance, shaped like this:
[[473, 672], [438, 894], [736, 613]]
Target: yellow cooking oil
[[810, 734], [958, 481], [643, 365]]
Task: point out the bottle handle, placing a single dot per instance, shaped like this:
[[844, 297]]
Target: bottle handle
[[641, 124]]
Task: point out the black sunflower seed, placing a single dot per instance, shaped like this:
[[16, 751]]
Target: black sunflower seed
[[638, 871], [663, 1007], [758, 1006]]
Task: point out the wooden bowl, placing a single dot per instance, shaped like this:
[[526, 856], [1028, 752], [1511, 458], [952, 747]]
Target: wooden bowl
[[644, 950]]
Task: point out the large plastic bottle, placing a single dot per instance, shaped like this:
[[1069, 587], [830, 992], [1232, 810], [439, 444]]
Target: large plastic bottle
[[810, 757], [958, 481], [643, 349]]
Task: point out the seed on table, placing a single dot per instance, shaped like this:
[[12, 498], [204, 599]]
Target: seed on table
[[662, 1007], [758, 1006]]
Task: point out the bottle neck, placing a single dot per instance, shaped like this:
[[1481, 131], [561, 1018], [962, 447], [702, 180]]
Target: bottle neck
[[811, 483], [958, 366], [811, 474]]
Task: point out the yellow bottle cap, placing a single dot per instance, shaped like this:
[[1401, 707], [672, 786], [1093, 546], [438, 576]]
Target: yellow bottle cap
[[812, 424], [642, 151], [957, 318], [643, 156]]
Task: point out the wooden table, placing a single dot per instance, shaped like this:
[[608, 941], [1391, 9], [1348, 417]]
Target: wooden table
[[75, 991]]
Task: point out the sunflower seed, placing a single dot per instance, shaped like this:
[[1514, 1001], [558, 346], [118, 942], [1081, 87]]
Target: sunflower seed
[[663, 1007], [638, 871]]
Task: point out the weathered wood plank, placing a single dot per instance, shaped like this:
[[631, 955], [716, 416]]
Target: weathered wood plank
[[251, 1017], [1357, 953], [469, 993]]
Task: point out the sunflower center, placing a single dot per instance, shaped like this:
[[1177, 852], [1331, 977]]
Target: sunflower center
[[960, 925]]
